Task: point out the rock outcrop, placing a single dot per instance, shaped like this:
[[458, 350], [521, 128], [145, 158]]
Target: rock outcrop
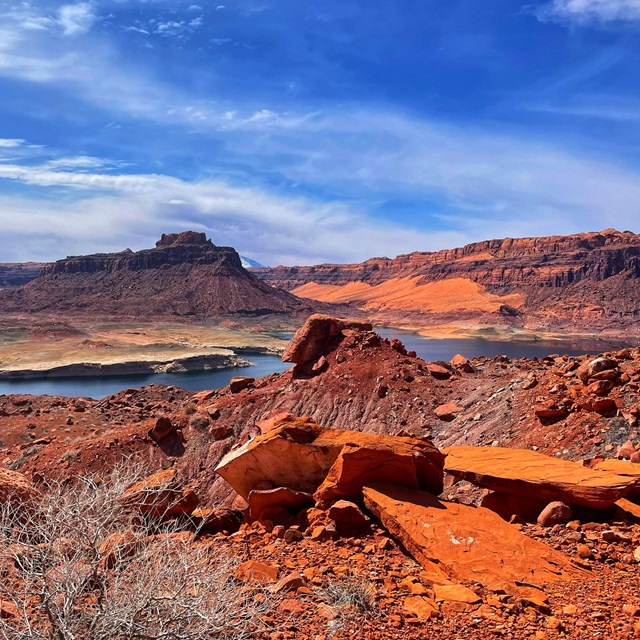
[[300, 455], [536, 476], [185, 276]]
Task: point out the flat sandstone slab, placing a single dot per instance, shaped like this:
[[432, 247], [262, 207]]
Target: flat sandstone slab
[[468, 544], [535, 475]]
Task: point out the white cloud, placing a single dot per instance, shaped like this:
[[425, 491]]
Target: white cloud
[[11, 143], [108, 212], [76, 18], [585, 11]]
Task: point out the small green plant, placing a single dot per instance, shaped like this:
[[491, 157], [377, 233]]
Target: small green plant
[[190, 409]]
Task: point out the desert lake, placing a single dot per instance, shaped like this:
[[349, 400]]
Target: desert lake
[[263, 365]]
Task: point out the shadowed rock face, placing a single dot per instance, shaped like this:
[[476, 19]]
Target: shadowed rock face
[[15, 274], [184, 275]]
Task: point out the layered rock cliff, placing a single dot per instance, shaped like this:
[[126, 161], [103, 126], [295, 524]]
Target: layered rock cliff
[[185, 275], [588, 277]]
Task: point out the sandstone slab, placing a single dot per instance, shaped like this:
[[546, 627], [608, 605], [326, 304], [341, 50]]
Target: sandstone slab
[[535, 475], [623, 468], [299, 454], [464, 543]]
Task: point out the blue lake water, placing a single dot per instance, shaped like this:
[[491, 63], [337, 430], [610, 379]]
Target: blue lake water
[[263, 365], [101, 386]]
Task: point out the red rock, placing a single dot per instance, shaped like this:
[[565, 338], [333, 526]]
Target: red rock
[[635, 458], [338, 460], [624, 468], [319, 335], [592, 368], [15, 487], [347, 516], [240, 383], [448, 411], [601, 387], [422, 607], [259, 571], [631, 610], [162, 429], [461, 363], [604, 406], [219, 519], [160, 495], [626, 450], [268, 504], [555, 513], [8, 610], [291, 582], [438, 372], [455, 593], [462, 543], [534, 475], [550, 409]]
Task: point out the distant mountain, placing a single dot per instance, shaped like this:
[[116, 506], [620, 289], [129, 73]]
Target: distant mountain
[[185, 275], [587, 281], [248, 263]]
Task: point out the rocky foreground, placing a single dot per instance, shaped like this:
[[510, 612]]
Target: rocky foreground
[[380, 495]]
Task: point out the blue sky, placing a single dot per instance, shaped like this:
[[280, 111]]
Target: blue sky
[[309, 131]]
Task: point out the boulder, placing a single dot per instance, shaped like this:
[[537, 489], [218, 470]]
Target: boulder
[[535, 475], [461, 363], [448, 411], [626, 450], [594, 367], [319, 335], [460, 543], [550, 409], [240, 383], [162, 428], [15, 488], [555, 513], [348, 517], [161, 496], [438, 372], [303, 456]]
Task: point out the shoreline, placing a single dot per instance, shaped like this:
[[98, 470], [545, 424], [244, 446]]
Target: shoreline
[[188, 364]]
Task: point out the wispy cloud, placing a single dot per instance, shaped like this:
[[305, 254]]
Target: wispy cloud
[[11, 143], [590, 11], [113, 210], [76, 18]]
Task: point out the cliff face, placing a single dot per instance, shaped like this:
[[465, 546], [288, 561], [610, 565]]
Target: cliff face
[[590, 276], [16, 274], [184, 275]]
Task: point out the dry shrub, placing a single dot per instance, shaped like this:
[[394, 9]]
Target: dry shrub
[[351, 600], [77, 565]]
